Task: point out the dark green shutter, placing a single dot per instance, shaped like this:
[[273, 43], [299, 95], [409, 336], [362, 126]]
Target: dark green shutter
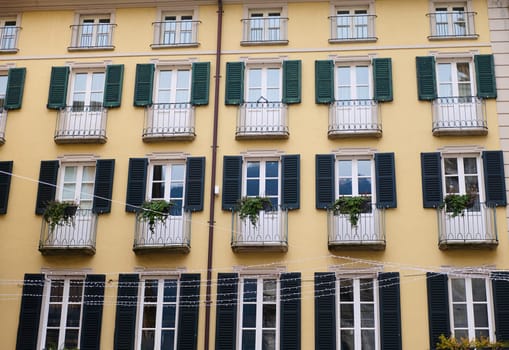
[[58, 87], [234, 94], [189, 302], [226, 311], [125, 318], [485, 76], [500, 283], [113, 85], [143, 85], [325, 311], [93, 301], [431, 172], [200, 83], [14, 91], [390, 311], [385, 180], [494, 178], [292, 81], [426, 78], [136, 184], [324, 81], [290, 179], [382, 76], [103, 185], [195, 176], [324, 180], [47, 184], [438, 307], [30, 312], [232, 181], [5, 184], [290, 311]]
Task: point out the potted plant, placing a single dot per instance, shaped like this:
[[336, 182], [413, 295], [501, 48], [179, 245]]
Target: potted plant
[[352, 206], [154, 211], [455, 204], [451, 343], [249, 207], [59, 213]]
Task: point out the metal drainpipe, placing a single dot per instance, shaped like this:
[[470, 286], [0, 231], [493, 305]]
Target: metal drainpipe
[[208, 300]]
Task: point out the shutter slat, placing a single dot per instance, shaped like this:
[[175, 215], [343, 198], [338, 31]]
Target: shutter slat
[[93, 301], [5, 184], [438, 307], [324, 180], [234, 83], [325, 311], [226, 311], [143, 85], [324, 82], [485, 76], [382, 76], [189, 302], [431, 172], [113, 85], [500, 283], [232, 180], [30, 312], [14, 90], [290, 311], [46, 188], [292, 81], [494, 178], [390, 311], [195, 176], [125, 318], [426, 78], [200, 83], [58, 87], [136, 184], [385, 180], [290, 189], [103, 185]]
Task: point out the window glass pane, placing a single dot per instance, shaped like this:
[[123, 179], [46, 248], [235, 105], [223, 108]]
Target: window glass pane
[[248, 339], [364, 186], [168, 339], [80, 82], [70, 173], [88, 174], [147, 339], [249, 315], [481, 315], [269, 290], [347, 339], [176, 210], [165, 79], [183, 79], [368, 339], [273, 77], [470, 165], [169, 313], [57, 290], [54, 314], [460, 333], [479, 289], [482, 333], [170, 291], [149, 316], [269, 340], [346, 315], [362, 75], [75, 290], [177, 190], [345, 289], [463, 71], [253, 169], [269, 316], [451, 166], [97, 81], [345, 186], [271, 187], [272, 169], [73, 315], [444, 72], [253, 188], [151, 291], [71, 339], [3, 85], [458, 289], [158, 190], [52, 338], [159, 172], [460, 315], [367, 315], [177, 172], [364, 167], [345, 167], [366, 289], [343, 74], [255, 77], [452, 184], [250, 287]]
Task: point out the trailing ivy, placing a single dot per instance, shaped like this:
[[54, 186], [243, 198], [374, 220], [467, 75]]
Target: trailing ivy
[[352, 206], [154, 211], [250, 207]]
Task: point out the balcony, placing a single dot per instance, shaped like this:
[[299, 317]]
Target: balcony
[[452, 25], [78, 237], [9, 39], [83, 124], [169, 121], [92, 36], [3, 122], [475, 227], [259, 120], [269, 234], [347, 28], [354, 118], [172, 235], [459, 116], [175, 34], [369, 233], [264, 31]]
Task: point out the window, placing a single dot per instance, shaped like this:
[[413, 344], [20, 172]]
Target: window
[[167, 183], [92, 32], [262, 179], [451, 20], [8, 34], [265, 26], [462, 176], [176, 29], [77, 184], [355, 177], [3, 90], [353, 23], [87, 91], [353, 82]]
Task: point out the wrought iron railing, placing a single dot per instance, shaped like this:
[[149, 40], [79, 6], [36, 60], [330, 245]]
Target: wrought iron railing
[[459, 114], [92, 36], [354, 116], [173, 232], [169, 120], [454, 24], [352, 27], [176, 33], [83, 123], [271, 230], [9, 38], [262, 119], [265, 30], [3, 122]]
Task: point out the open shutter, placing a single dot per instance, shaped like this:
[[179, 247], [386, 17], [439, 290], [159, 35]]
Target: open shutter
[[113, 85], [47, 184], [14, 91], [324, 82], [324, 182], [485, 76], [136, 184], [200, 83], [431, 172], [234, 83], [58, 87], [390, 311], [5, 184], [232, 180], [426, 79], [195, 176], [385, 180], [292, 81], [189, 303], [290, 311], [500, 283], [143, 85], [125, 318], [30, 312], [290, 189], [438, 307], [93, 302], [226, 311], [103, 186], [494, 178], [325, 311], [382, 76]]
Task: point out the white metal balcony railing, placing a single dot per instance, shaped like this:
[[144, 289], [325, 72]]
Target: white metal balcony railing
[[92, 36], [9, 38], [262, 119], [455, 24], [3, 122], [474, 226], [79, 235], [359, 27], [172, 234], [265, 30], [175, 33], [81, 124], [169, 121], [369, 231], [354, 117], [270, 231], [459, 115]]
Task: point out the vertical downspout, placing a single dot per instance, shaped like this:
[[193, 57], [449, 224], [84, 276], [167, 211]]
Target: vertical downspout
[[213, 174]]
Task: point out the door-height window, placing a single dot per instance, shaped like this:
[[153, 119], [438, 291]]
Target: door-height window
[[77, 184], [95, 31], [177, 29], [8, 33], [173, 86], [450, 20], [355, 177], [3, 90], [353, 82], [262, 179], [265, 25], [263, 84], [455, 79], [87, 91], [352, 23], [166, 182], [462, 176]]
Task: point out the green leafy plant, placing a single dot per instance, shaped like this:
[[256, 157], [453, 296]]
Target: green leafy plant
[[352, 206], [250, 207], [455, 204], [59, 213], [451, 343], [154, 211]]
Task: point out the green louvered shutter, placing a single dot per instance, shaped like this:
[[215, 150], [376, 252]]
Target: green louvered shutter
[[103, 185], [324, 82], [189, 305], [58, 87], [390, 311], [46, 188], [290, 311], [438, 307], [143, 84], [93, 301], [292, 81], [195, 176], [200, 83], [14, 91], [426, 78], [325, 311], [113, 85], [234, 94], [226, 311], [485, 76], [382, 76], [30, 312], [431, 172], [232, 181], [494, 178], [136, 184], [385, 180], [5, 184], [290, 179], [324, 180], [125, 318], [500, 284]]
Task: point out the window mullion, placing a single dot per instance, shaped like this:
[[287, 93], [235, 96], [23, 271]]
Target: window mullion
[[63, 315], [470, 308], [461, 175], [259, 313], [167, 182], [88, 88], [357, 313], [159, 314]]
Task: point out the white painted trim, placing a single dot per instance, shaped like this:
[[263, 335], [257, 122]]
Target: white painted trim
[[354, 152], [270, 153], [259, 271], [78, 158], [471, 149], [165, 156]]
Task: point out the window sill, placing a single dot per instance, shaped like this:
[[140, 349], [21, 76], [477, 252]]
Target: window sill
[[265, 42], [356, 245], [91, 48], [239, 247], [161, 248], [361, 40], [340, 134], [14, 50], [453, 37], [461, 131], [173, 46], [467, 244], [65, 138]]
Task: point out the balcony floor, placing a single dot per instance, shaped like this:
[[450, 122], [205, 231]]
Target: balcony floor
[[66, 139], [472, 131], [339, 134], [356, 245], [168, 137], [239, 247], [467, 244], [66, 250], [170, 248]]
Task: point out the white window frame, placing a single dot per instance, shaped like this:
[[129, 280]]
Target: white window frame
[[78, 181], [352, 6], [262, 178], [173, 84], [263, 84], [178, 12], [454, 74], [353, 85], [277, 7], [3, 20], [88, 89], [355, 175], [461, 174], [3, 76], [79, 17], [168, 181]]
